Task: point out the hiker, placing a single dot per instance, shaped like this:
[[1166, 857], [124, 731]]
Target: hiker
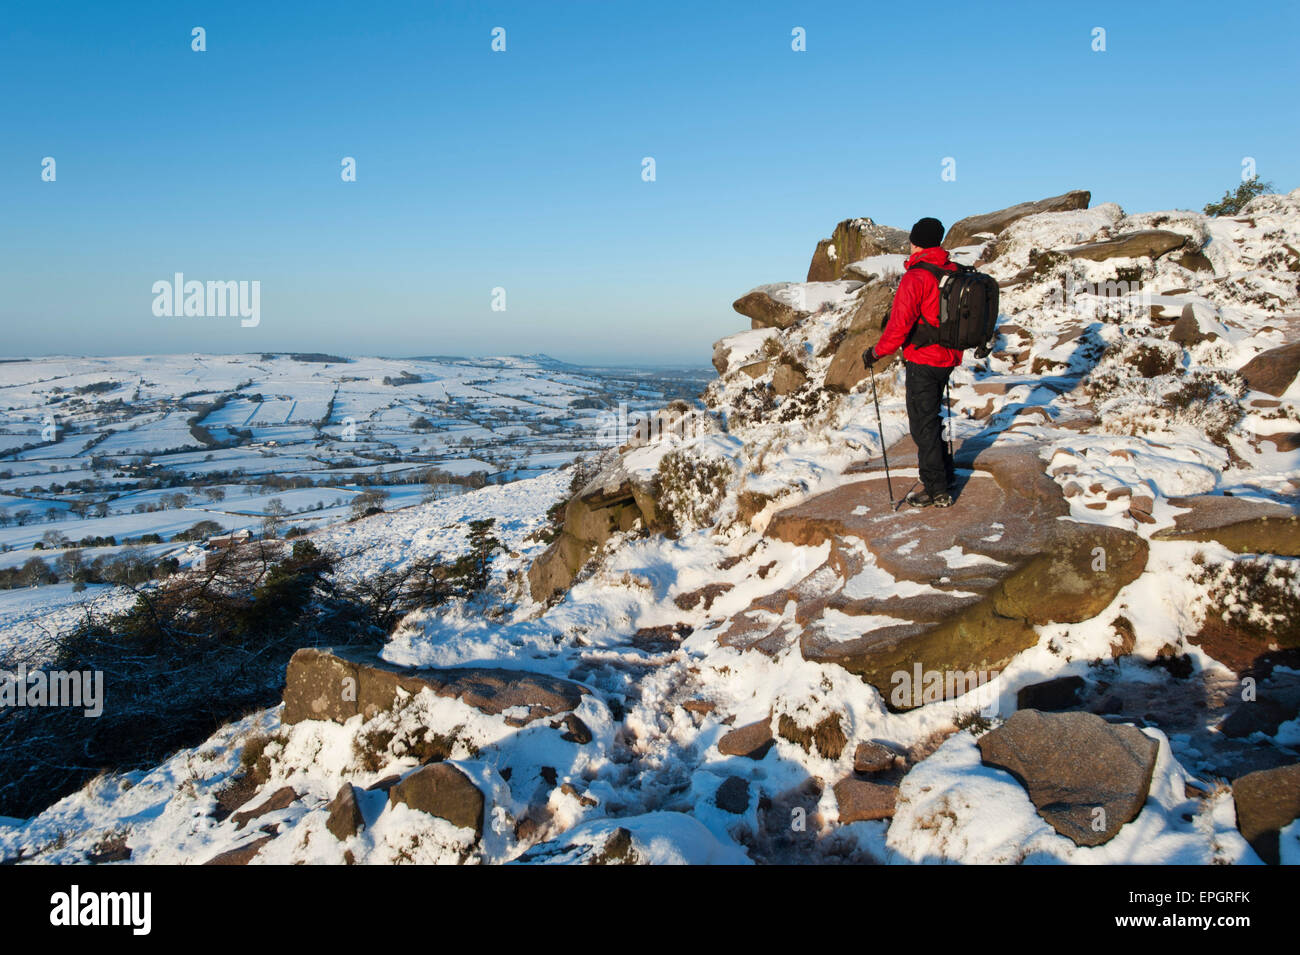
[[928, 365]]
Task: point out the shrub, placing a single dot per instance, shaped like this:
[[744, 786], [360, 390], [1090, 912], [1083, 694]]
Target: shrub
[[1142, 388], [975, 721], [755, 405], [1233, 202], [470, 572], [1255, 594], [554, 523], [369, 501], [193, 653], [690, 488]]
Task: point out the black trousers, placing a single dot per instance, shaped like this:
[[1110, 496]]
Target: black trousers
[[925, 385]]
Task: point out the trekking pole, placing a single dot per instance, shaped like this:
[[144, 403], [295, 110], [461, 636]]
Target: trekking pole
[[881, 425], [947, 390]]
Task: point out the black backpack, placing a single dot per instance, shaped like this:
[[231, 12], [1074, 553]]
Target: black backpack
[[968, 310]]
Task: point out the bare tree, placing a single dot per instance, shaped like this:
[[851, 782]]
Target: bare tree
[[274, 517]]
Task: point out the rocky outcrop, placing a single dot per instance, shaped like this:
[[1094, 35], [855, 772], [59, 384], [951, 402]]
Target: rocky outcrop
[[442, 790], [981, 575], [703, 597], [1273, 371], [613, 501], [861, 332], [1146, 243], [1267, 801], [337, 684], [1086, 777], [741, 349], [784, 304], [964, 230], [1240, 524], [788, 378], [779, 305], [854, 239], [619, 849], [575, 731]]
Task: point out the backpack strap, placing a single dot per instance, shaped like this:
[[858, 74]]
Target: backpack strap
[[923, 333], [931, 268]]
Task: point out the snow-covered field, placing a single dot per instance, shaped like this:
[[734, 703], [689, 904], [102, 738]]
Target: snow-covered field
[[112, 450]]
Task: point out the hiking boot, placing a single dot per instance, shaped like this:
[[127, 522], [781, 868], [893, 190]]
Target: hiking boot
[[926, 499]]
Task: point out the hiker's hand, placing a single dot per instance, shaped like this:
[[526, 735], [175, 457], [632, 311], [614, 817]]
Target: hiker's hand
[[869, 357]]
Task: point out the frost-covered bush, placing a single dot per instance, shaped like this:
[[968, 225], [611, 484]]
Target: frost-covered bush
[[751, 407], [1141, 388], [691, 488], [1256, 594]]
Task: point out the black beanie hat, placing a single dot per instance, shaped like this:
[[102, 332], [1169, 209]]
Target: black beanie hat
[[927, 233]]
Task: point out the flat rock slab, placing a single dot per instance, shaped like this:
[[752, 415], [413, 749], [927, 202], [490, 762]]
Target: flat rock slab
[[282, 798], [860, 800], [1086, 777], [337, 684], [1147, 243], [993, 566], [909, 542], [1240, 524], [963, 230], [1267, 801], [784, 304]]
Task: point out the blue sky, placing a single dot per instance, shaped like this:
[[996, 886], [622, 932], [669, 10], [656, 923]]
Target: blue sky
[[522, 169]]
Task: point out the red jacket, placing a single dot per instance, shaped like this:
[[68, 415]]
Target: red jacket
[[918, 296]]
